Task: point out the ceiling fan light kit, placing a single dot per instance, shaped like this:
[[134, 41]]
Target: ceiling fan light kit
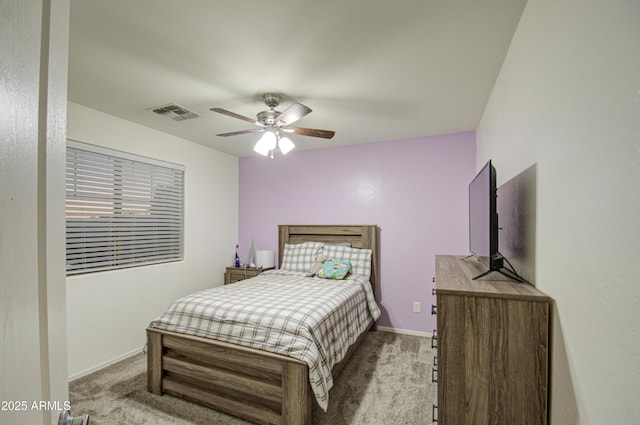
[[273, 123], [267, 144]]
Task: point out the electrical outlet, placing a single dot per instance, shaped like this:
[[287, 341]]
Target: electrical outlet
[[416, 306]]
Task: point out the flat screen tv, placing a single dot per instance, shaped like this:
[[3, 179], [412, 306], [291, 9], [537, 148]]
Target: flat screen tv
[[483, 218], [483, 223]]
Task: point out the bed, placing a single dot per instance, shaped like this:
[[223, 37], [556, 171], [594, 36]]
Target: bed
[[260, 386]]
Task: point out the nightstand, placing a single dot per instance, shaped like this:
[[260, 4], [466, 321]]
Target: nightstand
[[234, 274]]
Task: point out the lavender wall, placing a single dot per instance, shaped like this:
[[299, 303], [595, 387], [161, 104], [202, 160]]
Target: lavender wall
[[415, 191]]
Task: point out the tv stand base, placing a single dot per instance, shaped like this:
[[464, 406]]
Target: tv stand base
[[501, 271]]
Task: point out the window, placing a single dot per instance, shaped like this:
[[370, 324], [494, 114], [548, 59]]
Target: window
[[122, 210]]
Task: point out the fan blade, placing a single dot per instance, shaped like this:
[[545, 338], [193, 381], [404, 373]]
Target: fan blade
[[312, 132], [237, 133], [292, 114], [233, 115]]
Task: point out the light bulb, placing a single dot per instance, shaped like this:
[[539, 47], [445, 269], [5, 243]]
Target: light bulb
[[285, 144], [266, 143]]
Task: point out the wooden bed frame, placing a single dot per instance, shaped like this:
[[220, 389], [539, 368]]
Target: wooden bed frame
[[256, 385]]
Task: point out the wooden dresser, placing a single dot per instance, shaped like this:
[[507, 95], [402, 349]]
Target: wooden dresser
[[492, 345]]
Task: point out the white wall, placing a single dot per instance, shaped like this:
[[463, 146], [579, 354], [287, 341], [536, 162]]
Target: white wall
[[109, 311], [33, 92], [568, 100]]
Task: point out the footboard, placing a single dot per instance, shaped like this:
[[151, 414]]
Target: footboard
[[261, 387]]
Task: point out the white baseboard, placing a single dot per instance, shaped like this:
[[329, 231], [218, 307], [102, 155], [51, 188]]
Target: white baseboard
[[105, 364], [404, 331]]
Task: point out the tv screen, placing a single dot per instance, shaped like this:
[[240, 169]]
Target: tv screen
[[483, 218]]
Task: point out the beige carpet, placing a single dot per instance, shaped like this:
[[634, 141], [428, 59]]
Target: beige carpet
[[388, 381]]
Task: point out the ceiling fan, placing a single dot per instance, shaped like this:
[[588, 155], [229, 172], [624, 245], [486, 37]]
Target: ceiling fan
[[274, 125]]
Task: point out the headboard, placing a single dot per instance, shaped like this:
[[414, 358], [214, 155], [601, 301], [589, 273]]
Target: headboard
[[362, 236]]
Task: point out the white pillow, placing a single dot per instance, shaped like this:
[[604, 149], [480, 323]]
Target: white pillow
[[300, 257], [359, 258]]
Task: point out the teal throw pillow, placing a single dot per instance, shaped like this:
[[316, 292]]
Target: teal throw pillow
[[334, 269]]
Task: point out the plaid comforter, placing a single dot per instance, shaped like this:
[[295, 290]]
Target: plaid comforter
[[310, 319]]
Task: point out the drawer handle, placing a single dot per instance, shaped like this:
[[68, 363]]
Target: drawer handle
[[433, 291], [434, 413], [434, 339], [434, 309], [434, 374], [433, 279]]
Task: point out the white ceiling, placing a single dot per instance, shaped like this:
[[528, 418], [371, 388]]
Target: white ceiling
[[371, 70]]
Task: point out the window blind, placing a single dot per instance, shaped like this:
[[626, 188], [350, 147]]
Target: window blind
[[122, 210]]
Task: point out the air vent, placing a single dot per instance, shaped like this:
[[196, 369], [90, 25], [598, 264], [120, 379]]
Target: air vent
[[175, 112]]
